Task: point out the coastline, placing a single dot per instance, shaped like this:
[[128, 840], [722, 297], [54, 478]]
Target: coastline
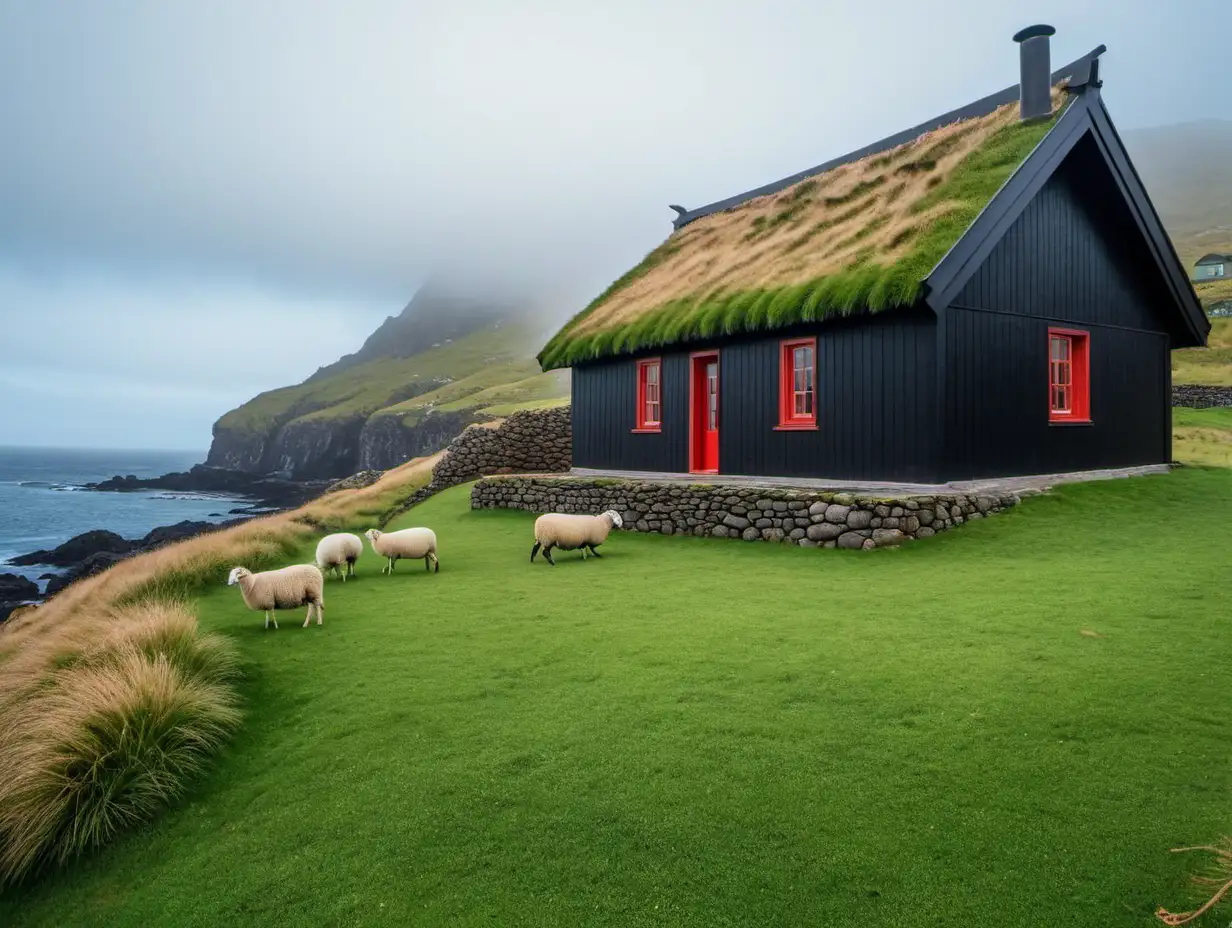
[[67, 531]]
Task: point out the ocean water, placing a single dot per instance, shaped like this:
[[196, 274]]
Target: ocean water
[[42, 503]]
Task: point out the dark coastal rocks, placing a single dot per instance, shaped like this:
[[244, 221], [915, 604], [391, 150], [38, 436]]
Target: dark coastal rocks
[[14, 588], [810, 519], [15, 591], [77, 549], [165, 534], [92, 552], [94, 564], [269, 490]]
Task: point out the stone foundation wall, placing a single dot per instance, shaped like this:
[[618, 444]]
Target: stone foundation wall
[[534, 440], [808, 518], [1200, 397]]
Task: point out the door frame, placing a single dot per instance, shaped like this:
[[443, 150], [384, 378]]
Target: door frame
[[694, 358]]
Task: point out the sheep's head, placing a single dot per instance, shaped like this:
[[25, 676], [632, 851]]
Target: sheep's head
[[238, 574], [617, 521], [372, 534]]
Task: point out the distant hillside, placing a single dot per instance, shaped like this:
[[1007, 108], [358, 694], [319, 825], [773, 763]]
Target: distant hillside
[[1188, 170], [445, 361]]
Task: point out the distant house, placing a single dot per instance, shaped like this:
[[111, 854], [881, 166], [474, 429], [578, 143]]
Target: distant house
[[988, 293], [1213, 267]]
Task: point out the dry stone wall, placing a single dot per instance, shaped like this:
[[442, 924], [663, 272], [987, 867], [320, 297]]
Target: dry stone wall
[[1200, 397], [530, 441], [810, 519]]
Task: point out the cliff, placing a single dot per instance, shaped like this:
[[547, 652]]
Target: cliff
[[444, 362]]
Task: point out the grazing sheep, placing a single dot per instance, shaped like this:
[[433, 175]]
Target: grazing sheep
[[339, 552], [289, 588], [409, 543], [570, 532]]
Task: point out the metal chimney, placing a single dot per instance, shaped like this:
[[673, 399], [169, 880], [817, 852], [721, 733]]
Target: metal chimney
[[1035, 81]]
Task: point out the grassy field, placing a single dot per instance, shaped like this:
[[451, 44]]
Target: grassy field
[[1202, 436], [1210, 365], [1007, 725]]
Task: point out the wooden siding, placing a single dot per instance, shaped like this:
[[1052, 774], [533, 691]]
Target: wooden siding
[[876, 389], [1070, 256], [1067, 260], [996, 399], [604, 399]]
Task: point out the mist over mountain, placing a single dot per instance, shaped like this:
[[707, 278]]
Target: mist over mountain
[[452, 357], [1187, 169]]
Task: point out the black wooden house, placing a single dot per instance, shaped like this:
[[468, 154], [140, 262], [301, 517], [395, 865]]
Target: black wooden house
[[989, 293]]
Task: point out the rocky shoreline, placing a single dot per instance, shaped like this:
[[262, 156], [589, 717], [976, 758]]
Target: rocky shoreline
[[87, 554], [96, 550], [266, 491]]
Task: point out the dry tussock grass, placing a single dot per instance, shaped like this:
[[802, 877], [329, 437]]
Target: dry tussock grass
[[816, 227], [870, 210], [111, 701]]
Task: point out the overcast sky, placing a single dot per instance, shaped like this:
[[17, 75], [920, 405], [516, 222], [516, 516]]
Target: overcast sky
[[200, 201]]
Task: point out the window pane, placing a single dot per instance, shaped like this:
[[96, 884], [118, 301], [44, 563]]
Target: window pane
[[652, 373]]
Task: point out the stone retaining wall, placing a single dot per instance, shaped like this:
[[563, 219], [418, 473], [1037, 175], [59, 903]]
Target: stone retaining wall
[[533, 440], [810, 518], [1200, 397]]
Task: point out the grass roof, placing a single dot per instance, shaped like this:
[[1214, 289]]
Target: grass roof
[[861, 236]]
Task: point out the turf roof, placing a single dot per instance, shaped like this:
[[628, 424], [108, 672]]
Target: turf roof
[[861, 236]]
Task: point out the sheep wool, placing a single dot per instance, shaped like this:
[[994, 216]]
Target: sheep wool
[[408, 543], [339, 552], [288, 588], [570, 532]]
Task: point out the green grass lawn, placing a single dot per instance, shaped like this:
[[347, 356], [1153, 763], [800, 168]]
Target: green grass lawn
[[705, 732]]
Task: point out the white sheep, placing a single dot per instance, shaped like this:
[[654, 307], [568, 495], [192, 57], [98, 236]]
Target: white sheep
[[288, 588], [339, 552], [409, 543], [570, 532]]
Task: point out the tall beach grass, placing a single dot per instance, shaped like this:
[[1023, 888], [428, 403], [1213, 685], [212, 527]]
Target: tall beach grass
[[112, 701]]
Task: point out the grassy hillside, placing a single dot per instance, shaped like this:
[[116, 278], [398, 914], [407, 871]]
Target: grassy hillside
[[1188, 170], [442, 363], [683, 733], [495, 356]]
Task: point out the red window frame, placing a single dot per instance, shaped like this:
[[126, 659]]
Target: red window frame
[[649, 416], [1069, 376], [797, 400]]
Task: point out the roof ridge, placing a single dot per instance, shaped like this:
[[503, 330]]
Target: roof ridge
[[1081, 71]]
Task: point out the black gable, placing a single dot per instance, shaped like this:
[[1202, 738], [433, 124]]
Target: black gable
[[1114, 205], [1075, 246]]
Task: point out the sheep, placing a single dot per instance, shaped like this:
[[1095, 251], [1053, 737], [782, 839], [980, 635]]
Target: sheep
[[339, 552], [411, 543], [570, 532], [289, 588]]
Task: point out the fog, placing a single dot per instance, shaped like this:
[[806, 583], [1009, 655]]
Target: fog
[[200, 202]]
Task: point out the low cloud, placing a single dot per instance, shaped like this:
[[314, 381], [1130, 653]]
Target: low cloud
[[176, 175]]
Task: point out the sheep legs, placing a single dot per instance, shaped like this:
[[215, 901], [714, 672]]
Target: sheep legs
[[269, 613], [593, 552], [547, 553], [429, 560], [319, 611], [389, 566], [534, 551]]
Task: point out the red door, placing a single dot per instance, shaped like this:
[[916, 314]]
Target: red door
[[704, 415]]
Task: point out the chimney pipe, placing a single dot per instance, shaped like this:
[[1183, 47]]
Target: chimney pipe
[[1035, 80]]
